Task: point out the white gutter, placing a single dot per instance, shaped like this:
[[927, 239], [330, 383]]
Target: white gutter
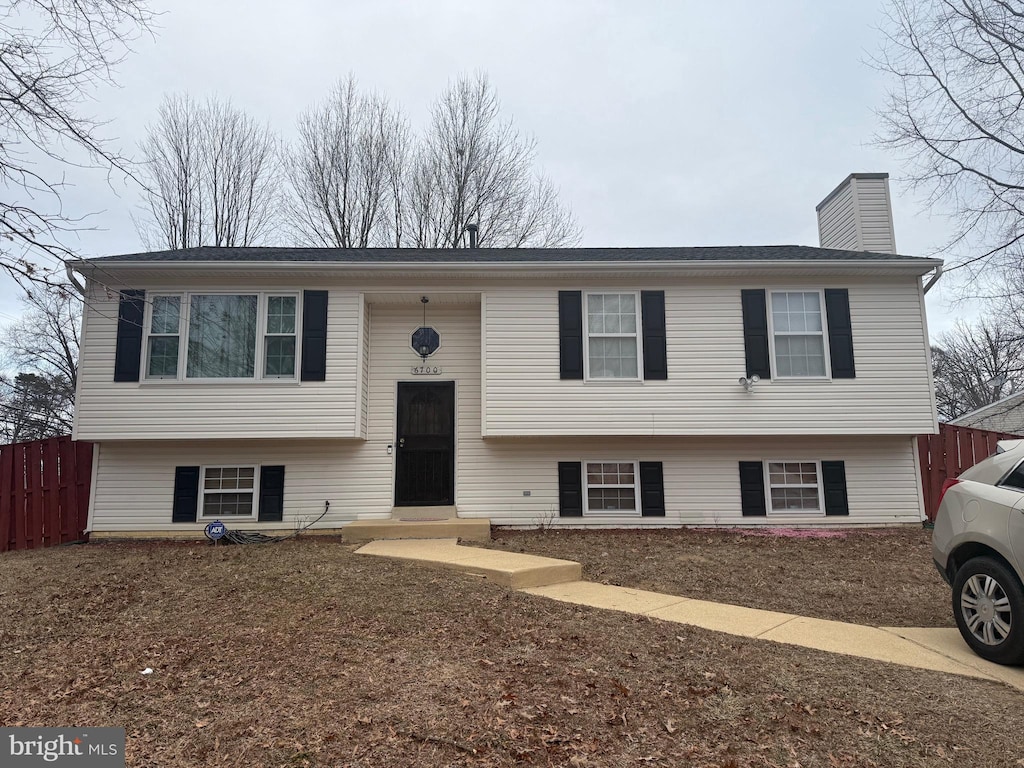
[[70, 270], [924, 265], [935, 278]]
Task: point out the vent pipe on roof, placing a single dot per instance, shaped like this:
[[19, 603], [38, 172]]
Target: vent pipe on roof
[[472, 229], [857, 215]]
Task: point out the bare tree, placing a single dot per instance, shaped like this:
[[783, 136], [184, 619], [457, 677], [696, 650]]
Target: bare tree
[[956, 113], [52, 54], [473, 166], [43, 345], [977, 364], [359, 178], [346, 170], [211, 176]]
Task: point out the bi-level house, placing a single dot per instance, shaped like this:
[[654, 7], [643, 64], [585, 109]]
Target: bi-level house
[[584, 386]]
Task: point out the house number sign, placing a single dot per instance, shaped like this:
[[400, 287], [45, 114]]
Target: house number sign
[[426, 370]]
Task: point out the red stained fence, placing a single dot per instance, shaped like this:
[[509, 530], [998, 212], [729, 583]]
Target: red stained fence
[[44, 493], [949, 453]]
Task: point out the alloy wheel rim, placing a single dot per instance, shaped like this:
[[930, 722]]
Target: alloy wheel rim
[[986, 609]]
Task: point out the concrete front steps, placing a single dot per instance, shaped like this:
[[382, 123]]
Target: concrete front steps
[[510, 569], [418, 523]]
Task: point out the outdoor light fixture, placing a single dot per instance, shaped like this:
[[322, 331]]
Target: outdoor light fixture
[[425, 340], [749, 381]]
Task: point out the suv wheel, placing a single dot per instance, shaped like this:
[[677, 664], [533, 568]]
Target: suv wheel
[[988, 604]]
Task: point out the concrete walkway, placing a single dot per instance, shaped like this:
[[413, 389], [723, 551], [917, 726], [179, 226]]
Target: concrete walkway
[[941, 649]]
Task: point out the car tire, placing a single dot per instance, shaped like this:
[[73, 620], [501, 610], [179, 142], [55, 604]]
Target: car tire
[[988, 605]]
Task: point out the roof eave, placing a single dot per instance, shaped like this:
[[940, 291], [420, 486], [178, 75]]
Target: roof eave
[[920, 266]]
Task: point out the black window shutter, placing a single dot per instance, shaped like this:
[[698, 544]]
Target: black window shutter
[[755, 333], [131, 312], [186, 495], [314, 336], [570, 489], [752, 489], [840, 333], [833, 480], [652, 313], [570, 334], [652, 489], [271, 494]]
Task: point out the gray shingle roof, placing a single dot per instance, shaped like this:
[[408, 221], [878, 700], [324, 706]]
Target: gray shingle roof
[[758, 253]]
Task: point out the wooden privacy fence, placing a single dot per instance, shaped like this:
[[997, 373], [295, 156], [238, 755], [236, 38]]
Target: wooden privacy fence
[[949, 453], [44, 493]]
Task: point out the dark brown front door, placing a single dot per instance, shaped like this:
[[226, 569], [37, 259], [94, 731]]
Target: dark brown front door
[[425, 459]]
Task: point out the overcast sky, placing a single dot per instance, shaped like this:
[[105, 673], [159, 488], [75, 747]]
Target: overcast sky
[[663, 123]]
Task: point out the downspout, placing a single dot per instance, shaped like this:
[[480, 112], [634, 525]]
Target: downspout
[[934, 280], [70, 271]]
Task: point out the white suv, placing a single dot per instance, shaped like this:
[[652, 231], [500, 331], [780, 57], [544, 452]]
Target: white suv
[[978, 546]]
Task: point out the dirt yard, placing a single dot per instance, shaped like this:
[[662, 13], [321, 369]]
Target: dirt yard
[[880, 576], [304, 654]]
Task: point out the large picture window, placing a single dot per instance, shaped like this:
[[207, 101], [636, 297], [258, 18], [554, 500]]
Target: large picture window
[[612, 344], [798, 334], [227, 334], [794, 486], [611, 486]]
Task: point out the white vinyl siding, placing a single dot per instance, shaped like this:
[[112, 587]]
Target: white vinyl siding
[[704, 336], [135, 480], [858, 217], [162, 409]]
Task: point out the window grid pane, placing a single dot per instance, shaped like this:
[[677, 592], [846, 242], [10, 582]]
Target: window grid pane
[[281, 314], [163, 357], [611, 499], [228, 491], [612, 336], [280, 358], [798, 334], [166, 315], [794, 486], [611, 486]]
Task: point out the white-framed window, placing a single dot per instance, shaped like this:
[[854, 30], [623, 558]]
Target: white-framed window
[[610, 486], [279, 341], [612, 330], [229, 492], [799, 342], [164, 338], [211, 335], [794, 486]]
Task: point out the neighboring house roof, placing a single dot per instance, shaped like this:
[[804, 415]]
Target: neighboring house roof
[[1006, 415], [734, 253]]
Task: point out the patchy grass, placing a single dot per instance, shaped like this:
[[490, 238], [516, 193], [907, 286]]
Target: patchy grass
[[304, 654], [880, 576]]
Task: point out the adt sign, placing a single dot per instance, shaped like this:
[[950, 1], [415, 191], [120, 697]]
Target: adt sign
[[216, 530]]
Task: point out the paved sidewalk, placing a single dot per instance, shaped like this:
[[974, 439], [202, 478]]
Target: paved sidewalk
[[938, 649]]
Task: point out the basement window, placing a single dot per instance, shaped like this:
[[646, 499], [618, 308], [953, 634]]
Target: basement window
[[229, 492], [611, 486], [794, 486]]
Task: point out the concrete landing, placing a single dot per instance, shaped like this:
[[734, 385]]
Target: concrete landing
[[457, 528], [509, 569]]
